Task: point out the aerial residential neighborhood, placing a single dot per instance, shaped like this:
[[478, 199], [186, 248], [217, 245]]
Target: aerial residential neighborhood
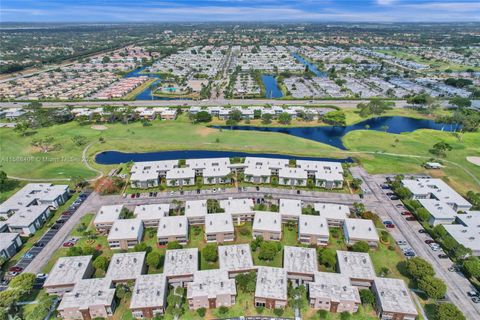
[[240, 160]]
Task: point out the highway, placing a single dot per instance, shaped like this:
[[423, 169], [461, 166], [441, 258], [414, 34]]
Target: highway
[[211, 102], [377, 201]]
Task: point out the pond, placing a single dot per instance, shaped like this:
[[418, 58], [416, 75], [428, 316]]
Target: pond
[[332, 135], [116, 157], [272, 91], [311, 66], [147, 94]]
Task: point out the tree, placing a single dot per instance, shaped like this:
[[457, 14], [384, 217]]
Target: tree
[[268, 250], [440, 149], [298, 297], [23, 283], [223, 310], [356, 183], [322, 314], [284, 118], [423, 214], [448, 311], [418, 267], [246, 281], [367, 297], [360, 246], [335, 118], [375, 107], [45, 144], [474, 199], [203, 116], [101, 263], [174, 245], [278, 312], [235, 115], [460, 102], [201, 312], [140, 247], [403, 193], [210, 253], [153, 259], [327, 257], [435, 288], [22, 127], [79, 140], [472, 267], [266, 118]]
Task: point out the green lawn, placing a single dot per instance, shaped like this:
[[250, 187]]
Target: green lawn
[[418, 143]]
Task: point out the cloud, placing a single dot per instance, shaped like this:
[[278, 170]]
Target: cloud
[[386, 2]]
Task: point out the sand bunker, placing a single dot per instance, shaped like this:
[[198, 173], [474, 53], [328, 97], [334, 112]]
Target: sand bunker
[[474, 160], [99, 127], [205, 131]]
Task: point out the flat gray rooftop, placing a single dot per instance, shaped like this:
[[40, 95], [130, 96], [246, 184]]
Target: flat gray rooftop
[[236, 257], [393, 296], [68, 271], [149, 291], [300, 260], [125, 266], [181, 262], [271, 283], [356, 265]]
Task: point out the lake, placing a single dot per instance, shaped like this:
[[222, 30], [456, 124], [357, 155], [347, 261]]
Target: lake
[[332, 135], [272, 91], [116, 157], [311, 66]]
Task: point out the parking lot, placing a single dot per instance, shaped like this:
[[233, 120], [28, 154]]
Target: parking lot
[[44, 240]]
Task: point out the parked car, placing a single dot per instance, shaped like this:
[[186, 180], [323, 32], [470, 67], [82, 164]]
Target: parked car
[[443, 256], [472, 293], [390, 194], [429, 241], [39, 244], [402, 242], [394, 198], [68, 244], [411, 218], [28, 255], [406, 213], [132, 196], [42, 276], [137, 194], [15, 269], [422, 231], [476, 300], [387, 222], [390, 226], [409, 254], [399, 205]]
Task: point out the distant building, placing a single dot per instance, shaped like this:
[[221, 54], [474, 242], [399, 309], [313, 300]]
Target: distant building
[[300, 264], [211, 289], [393, 299], [172, 228], [180, 265], [150, 214], [268, 225], [66, 272], [89, 299], [149, 296], [334, 293], [360, 230], [334, 213], [313, 230], [290, 209], [196, 211], [125, 267], [125, 233], [271, 288], [236, 259], [219, 228], [436, 189], [106, 216], [10, 243], [357, 266], [240, 209]]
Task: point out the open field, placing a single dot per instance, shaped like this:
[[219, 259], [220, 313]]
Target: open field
[[378, 152]]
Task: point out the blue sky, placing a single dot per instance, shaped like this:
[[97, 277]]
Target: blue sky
[[240, 10]]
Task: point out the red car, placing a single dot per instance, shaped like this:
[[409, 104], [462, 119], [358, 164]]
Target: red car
[[68, 244], [15, 269], [406, 213], [429, 241], [390, 226], [411, 218]]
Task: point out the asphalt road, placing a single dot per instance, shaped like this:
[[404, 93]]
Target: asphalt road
[[377, 200], [211, 102]]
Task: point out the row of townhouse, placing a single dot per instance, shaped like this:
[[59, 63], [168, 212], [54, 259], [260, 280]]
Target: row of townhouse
[[448, 208], [146, 113], [30, 207], [220, 227], [324, 174], [83, 297], [250, 112]]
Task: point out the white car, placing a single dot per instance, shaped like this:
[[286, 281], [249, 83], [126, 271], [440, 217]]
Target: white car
[[402, 242]]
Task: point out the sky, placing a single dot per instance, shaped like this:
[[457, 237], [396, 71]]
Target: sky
[[240, 10]]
